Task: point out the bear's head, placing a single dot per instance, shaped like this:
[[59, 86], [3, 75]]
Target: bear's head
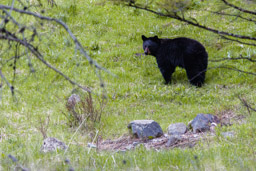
[[150, 45]]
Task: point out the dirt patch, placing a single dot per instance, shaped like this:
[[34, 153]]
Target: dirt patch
[[229, 117], [189, 139], [127, 142]]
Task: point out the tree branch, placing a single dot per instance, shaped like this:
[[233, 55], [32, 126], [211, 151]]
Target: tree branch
[[248, 106], [175, 16], [34, 50], [238, 58], [17, 34], [238, 41], [238, 8], [77, 43], [235, 69], [233, 15], [7, 82]]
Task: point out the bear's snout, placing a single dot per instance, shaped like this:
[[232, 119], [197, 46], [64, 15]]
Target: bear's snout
[[147, 51]]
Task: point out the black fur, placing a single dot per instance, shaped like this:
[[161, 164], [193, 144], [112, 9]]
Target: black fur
[[183, 52]]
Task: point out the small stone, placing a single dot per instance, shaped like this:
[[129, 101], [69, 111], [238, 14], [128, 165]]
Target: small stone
[[52, 144], [12, 158], [177, 129], [145, 129], [135, 143], [202, 122], [73, 100], [229, 134], [212, 127], [71, 169], [173, 139], [67, 161], [90, 145], [129, 147]]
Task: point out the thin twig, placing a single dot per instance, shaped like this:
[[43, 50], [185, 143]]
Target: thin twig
[[40, 57], [224, 67], [238, 58], [235, 69], [7, 82], [12, 6], [175, 16], [93, 140], [74, 135], [245, 103], [12, 19], [233, 15], [238, 8], [78, 45], [43, 127], [238, 41]]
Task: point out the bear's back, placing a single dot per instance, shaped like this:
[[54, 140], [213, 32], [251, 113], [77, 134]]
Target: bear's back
[[180, 50], [182, 43]]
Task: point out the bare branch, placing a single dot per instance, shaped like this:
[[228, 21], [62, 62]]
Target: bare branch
[[15, 63], [238, 41], [40, 57], [175, 16], [43, 126], [238, 58], [233, 15], [7, 82], [238, 8], [18, 36], [9, 15], [224, 67], [248, 106], [235, 69], [77, 43], [12, 58], [18, 165]]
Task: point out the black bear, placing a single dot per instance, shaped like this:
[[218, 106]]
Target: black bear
[[183, 52]]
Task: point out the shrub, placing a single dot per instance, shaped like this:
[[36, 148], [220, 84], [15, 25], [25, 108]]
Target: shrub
[[84, 111]]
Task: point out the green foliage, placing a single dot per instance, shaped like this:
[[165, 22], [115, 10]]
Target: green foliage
[[112, 36]]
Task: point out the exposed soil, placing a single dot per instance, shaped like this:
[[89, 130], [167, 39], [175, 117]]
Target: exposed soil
[[189, 139], [127, 142]]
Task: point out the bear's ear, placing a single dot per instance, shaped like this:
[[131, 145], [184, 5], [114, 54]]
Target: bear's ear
[[143, 37], [155, 38]]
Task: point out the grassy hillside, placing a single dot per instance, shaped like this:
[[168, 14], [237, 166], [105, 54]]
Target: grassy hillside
[[111, 34]]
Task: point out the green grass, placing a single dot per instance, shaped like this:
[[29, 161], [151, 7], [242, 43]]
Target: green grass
[[112, 36]]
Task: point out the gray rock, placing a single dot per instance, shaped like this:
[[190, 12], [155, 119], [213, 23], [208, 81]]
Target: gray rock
[[177, 129], [212, 127], [202, 122], [145, 129], [229, 134], [52, 144], [129, 147], [173, 139], [90, 145], [73, 100], [135, 144]]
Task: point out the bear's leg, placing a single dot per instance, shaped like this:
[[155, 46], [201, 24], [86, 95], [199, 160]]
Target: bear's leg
[[165, 68], [167, 73], [196, 75]]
